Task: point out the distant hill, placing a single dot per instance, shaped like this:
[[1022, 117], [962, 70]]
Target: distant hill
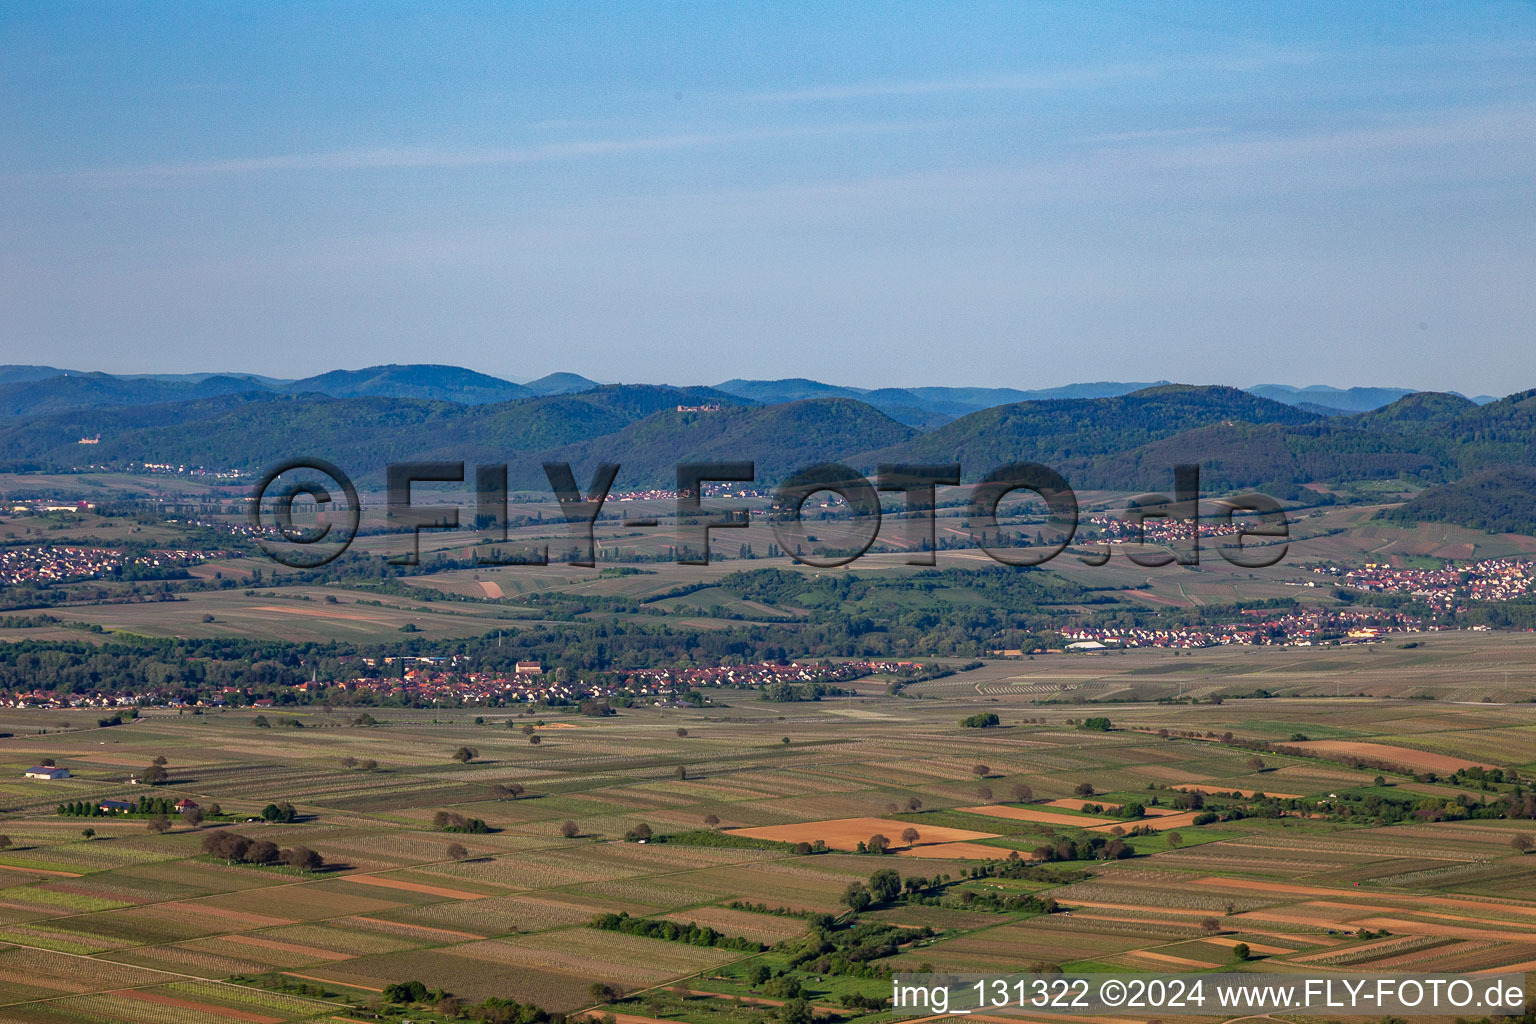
[[791, 389], [414, 380], [366, 418], [15, 372], [1341, 399], [1416, 410], [252, 429], [1075, 432], [93, 390], [779, 438], [921, 406], [561, 384], [1497, 500]]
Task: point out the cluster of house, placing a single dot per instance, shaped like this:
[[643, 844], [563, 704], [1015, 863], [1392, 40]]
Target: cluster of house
[[49, 564], [49, 699], [667, 680], [528, 683], [1445, 589], [38, 506], [1264, 628], [124, 807], [1115, 529], [163, 468]]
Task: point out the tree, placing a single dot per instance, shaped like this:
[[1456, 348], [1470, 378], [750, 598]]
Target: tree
[[711, 820], [1255, 763], [1210, 925], [570, 829], [1522, 843], [304, 858], [508, 790], [914, 804], [155, 775], [260, 722], [1175, 840], [160, 826], [349, 762], [681, 733], [1020, 793], [230, 846], [282, 812], [639, 834], [884, 885], [878, 844], [856, 897], [160, 760], [263, 852], [405, 992], [1083, 789], [456, 851], [984, 794], [602, 992], [910, 835], [681, 771], [88, 833], [981, 771], [1242, 952], [464, 755], [534, 739], [5, 842], [796, 1011], [784, 740]]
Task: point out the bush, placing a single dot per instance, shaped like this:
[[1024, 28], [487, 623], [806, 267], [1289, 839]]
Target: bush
[[448, 821], [282, 812]]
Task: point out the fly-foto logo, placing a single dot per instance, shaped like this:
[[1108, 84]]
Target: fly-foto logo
[[1242, 517]]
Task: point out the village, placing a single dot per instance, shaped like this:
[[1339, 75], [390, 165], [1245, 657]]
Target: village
[[1447, 588], [48, 564], [435, 681], [1261, 628]]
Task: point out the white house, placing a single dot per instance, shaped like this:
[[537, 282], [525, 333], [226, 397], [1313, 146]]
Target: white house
[[46, 772]]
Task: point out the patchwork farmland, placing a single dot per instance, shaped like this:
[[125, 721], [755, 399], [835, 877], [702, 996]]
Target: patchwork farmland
[[1149, 846]]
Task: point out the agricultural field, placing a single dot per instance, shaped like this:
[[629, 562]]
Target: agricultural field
[[139, 925]]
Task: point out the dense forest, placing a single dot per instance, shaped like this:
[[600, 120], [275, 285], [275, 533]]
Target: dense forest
[[1127, 442]]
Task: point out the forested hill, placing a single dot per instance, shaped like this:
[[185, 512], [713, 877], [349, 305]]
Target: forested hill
[[1497, 500], [252, 430], [1129, 442], [778, 438], [1076, 431]]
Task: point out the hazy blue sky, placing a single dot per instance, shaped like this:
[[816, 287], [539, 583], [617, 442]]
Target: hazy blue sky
[[879, 194]]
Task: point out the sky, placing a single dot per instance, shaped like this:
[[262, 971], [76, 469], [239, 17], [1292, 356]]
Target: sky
[[877, 194]]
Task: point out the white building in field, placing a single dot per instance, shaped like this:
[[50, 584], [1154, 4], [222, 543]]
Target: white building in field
[[47, 772]]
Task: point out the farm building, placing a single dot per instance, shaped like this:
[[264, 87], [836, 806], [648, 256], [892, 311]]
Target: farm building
[[115, 806], [183, 806], [529, 668], [47, 772]]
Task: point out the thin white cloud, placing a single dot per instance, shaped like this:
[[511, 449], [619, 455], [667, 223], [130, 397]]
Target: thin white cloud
[[1037, 81], [449, 158]]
